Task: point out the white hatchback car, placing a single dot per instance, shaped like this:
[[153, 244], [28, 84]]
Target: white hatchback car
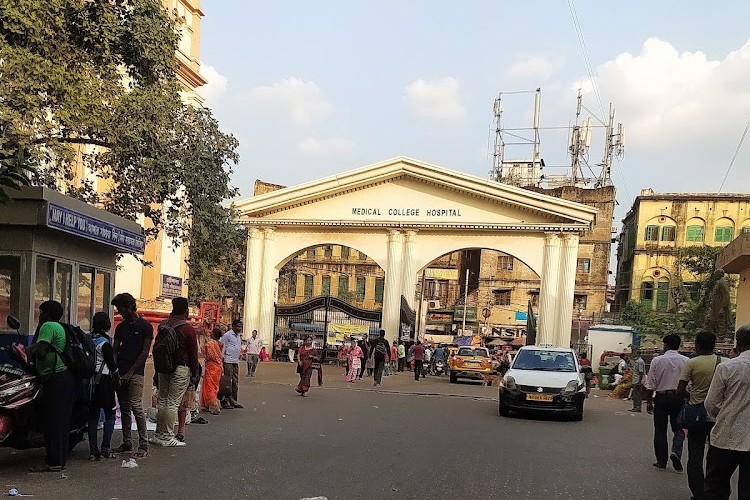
[[545, 379]]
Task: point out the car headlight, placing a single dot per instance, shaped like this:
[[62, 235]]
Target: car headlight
[[509, 382], [572, 387]]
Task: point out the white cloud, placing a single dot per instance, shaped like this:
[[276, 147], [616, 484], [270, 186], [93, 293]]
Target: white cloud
[[534, 68], [216, 86], [299, 101], [667, 98], [436, 99], [333, 145]]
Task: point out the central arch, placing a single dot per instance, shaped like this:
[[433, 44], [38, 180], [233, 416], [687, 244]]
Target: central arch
[[403, 214]]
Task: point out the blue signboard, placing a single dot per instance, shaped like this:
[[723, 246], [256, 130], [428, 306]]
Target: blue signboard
[[171, 286], [78, 224]]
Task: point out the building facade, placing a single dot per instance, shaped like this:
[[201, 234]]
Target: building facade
[[657, 226]]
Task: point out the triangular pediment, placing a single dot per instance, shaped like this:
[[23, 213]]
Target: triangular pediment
[[407, 191]]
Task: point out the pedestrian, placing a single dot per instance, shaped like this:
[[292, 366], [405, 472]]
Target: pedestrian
[[393, 357], [172, 386], [698, 373], [370, 363], [380, 356], [355, 359], [306, 357], [343, 356], [728, 402], [132, 344], [58, 383], [277, 349], [254, 346], [418, 351], [102, 389], [212, 372], [427, 360], [401, 356], [363, 359], [410, 356], [232, 345], [290, 351], [639, 377], [438, 355], [663, 379]]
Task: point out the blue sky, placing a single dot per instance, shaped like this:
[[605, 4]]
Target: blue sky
[[314, 88]]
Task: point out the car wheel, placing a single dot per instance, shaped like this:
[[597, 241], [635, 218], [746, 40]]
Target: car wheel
[[454, 378]]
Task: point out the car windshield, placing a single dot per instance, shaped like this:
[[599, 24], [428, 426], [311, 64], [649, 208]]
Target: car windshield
[[550, 361], [468, 351]]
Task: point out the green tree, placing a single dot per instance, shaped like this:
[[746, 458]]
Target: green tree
[[93, 85]]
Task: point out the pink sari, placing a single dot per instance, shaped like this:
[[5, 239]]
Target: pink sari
[[354, 363]]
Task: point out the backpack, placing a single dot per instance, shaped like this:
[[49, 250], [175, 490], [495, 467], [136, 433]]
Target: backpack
[[79, 353], [381, 350], [165, 347]]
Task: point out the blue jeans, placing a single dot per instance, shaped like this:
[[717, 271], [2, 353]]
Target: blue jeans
[[109, 429]]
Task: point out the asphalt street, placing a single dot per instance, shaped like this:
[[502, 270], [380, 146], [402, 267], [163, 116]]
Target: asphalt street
[[410, 440]]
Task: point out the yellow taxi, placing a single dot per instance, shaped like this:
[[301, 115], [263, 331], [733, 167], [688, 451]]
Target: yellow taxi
[[470, 362]]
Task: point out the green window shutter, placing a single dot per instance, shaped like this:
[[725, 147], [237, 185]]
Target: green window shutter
[[652, 233], [662, 296], [361, 288], [647, 294], [723, 234], [343, 285], [308, 286], [668, 233], [292, 286], [326, 288], [694, 233], [344, 252], [379, 288]]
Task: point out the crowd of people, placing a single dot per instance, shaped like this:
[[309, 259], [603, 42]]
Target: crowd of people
[[182, 386]]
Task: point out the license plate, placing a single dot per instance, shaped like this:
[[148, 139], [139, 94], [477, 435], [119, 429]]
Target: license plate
[[539, 397]]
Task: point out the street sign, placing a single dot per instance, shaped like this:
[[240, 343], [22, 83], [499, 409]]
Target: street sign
[[486, 313]]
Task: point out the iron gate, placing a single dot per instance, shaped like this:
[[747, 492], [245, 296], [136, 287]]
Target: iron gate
[[293, 322]]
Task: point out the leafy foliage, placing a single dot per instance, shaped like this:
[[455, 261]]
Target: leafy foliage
[[91, 86]]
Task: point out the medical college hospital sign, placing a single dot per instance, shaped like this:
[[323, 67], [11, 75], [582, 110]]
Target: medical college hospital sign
[[78, 224]]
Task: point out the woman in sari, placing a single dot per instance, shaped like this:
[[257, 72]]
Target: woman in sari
[[355, 360], [306, 356], [212, 372]]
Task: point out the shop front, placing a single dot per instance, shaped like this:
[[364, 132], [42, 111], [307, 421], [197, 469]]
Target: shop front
[[56, 247]]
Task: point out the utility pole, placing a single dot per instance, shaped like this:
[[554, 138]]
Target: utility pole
[[466, 298]]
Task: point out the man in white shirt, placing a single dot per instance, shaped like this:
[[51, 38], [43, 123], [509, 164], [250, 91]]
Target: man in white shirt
[[663, 379], [728, 401], [231, 346], [253, 353]]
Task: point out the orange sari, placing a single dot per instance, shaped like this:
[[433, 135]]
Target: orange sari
[[211, 376]]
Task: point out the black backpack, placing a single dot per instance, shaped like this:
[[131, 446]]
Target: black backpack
[[79, 354], [165, 347], [380, 349]]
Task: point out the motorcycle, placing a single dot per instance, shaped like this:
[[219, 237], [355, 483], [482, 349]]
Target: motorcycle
[[438, 368], [20, 401]]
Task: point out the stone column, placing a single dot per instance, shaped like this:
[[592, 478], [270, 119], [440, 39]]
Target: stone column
[[268, 284], [253, 278], [565, 288], [392, 295], [409, 276], [548, 290]]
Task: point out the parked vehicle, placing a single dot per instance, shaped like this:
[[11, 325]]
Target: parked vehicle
[[20, 422], [470, 362], [546, 379]]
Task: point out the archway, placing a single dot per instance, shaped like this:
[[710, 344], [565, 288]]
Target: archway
[[403, 213]]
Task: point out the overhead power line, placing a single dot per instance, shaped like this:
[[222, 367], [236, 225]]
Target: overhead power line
[[734, 157]]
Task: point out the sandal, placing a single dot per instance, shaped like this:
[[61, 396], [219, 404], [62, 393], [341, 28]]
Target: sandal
[[140, 453]]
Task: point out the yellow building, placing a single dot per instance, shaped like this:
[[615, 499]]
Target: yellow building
[[735, 259], [335, 270], [167, 276], [657, 226]]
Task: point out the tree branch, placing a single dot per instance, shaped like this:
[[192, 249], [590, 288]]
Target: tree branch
[[74, 140]]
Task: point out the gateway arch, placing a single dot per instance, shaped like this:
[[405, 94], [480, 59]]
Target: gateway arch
[[404, 213]]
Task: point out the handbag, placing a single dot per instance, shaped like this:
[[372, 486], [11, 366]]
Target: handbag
[[695, 415], [225, 386]]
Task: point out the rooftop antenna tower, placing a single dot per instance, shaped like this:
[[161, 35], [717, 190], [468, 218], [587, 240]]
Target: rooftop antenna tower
[[614, 147], [522, 171], [580, 140]]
